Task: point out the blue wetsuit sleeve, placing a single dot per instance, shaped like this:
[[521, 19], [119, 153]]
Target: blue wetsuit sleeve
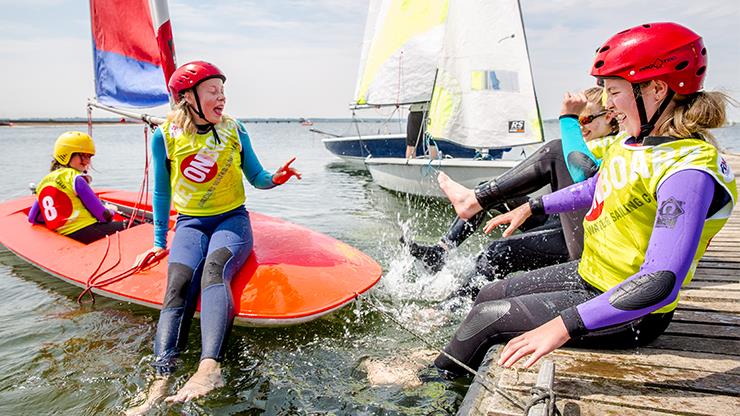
[[33, 214], [162, 192], [683, 204], [580, 161], [90, 200], [251, 166]]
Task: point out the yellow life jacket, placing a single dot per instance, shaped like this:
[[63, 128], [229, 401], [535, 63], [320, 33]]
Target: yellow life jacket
[[598, 146], [205, 175], [59, 204], [618, 226]]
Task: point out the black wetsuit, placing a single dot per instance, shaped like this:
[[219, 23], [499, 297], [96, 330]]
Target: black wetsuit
[[507, 308], [544, 241]]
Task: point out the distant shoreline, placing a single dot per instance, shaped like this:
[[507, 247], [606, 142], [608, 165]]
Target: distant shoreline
[[126, 121]]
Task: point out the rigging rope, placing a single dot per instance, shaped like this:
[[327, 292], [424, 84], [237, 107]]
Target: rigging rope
[[93, 282]]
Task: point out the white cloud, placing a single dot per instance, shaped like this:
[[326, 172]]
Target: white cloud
[[300, 57]]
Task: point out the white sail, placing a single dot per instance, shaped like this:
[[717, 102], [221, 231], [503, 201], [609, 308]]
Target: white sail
[[484, 94], [403, 39]]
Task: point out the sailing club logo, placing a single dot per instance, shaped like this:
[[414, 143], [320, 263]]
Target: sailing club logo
[[516, 126], [725, 170], [669, 212], [199, 168]]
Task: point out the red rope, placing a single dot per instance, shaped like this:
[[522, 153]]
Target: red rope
[[144, 187], [149, 261]]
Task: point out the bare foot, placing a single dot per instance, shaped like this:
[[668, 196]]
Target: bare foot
[[207, 378], [400, 370], [463, 199], [156, 393]]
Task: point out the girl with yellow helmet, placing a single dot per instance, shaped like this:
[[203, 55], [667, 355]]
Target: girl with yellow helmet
[[65, 202], [661, 193], [200, 156]]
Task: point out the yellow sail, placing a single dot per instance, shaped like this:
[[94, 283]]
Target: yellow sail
[[403, 39]]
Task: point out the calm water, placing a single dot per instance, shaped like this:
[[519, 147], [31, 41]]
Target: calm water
[[59, 358]]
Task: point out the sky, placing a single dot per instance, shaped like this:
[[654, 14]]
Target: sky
[[299, 58]]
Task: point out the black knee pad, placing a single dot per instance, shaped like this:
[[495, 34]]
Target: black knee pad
[[178, 284], [481, 317], [641, 292], [213, 271]]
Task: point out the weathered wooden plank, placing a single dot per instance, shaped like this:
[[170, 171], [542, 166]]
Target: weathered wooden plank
[[730, 262], [703, 284], [711, 264], [685, 343], [586, 397], [710, 295], [710, 306], [655, 357], [704, 330], [716, 271], [682, 315], [707, 277]]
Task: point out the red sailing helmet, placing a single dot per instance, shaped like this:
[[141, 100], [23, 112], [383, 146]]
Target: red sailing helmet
[[190, 75], [665, 51]]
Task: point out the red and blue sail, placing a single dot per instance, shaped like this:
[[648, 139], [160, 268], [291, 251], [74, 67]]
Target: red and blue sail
[[126, 52]]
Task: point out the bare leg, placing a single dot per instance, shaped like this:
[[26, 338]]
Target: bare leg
[[207, 378], [156, 393], [433, 153], [410, 152], [463, 199]]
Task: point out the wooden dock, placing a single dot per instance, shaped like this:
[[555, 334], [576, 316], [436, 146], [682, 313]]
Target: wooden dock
[[692, 369]]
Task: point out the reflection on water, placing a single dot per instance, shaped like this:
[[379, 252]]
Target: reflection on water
[[59, 358]]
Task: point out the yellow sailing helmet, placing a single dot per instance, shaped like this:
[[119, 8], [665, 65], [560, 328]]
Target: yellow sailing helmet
[[72, 142]]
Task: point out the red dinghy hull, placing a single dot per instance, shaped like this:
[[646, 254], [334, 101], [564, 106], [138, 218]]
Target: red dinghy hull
[[294, 274]]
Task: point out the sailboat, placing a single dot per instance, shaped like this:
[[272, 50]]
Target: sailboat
[[483, 99], [401, 47], [293, 275]]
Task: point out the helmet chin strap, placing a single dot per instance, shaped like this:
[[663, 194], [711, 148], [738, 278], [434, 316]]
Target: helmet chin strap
[[202, 115], [646, 126]]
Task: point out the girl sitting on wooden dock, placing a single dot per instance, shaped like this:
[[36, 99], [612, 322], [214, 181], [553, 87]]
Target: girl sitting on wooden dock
[[657, 200]]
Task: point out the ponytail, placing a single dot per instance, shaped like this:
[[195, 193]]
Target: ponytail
[[695, 114]]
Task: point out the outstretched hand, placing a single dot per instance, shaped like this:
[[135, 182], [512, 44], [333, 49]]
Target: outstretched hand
[[284, 173], [538, 342], [514, 218]]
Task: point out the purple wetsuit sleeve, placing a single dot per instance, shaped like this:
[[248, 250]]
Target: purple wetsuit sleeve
[[575, 197], [683, 200], [33, 214], [90, 200]]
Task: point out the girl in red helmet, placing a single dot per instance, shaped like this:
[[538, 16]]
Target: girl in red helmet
[[200, 155], [658, 198]]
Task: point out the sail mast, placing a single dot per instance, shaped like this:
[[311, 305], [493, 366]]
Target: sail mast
[[163, 32]]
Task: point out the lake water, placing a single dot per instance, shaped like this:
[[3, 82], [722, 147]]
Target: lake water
[[59, 358]]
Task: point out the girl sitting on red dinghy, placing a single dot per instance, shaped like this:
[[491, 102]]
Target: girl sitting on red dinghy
[[66, 203], [200, 156]]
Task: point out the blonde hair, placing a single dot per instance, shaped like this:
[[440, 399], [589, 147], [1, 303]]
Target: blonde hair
[[182, 117], [593, 95], [695, 114], [56, 165]]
